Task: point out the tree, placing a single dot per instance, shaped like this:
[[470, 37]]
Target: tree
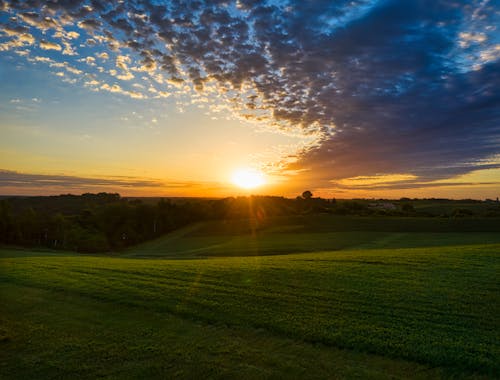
[[407, 207], [307, 194], [5, 222]]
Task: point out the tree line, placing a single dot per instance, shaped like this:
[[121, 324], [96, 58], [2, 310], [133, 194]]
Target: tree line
[[107, 222]]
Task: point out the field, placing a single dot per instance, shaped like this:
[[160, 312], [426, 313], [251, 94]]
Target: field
[[351, 298]]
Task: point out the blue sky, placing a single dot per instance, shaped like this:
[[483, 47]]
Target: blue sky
[[348, 98]]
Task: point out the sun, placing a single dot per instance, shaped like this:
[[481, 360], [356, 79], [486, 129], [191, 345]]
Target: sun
[[248, 178]]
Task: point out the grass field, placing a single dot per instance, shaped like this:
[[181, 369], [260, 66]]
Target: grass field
[[342, 304], [317, 233]]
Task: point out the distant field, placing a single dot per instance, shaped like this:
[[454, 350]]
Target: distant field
[[442, 207], [317, 233], [351, 311]]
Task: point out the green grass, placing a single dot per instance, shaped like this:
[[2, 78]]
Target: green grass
[[314, 233], [427, 312], [63, 335]]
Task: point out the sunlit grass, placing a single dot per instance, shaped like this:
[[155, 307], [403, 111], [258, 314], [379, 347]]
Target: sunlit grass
[[436, 306]]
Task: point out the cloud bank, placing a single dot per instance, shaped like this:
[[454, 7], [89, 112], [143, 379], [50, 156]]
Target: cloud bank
[[35, 183], [387, 86]]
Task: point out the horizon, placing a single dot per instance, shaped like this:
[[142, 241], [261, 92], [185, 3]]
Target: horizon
[[365, 99], [122, 196]]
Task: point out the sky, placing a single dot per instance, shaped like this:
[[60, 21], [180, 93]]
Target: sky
[[358, 98]]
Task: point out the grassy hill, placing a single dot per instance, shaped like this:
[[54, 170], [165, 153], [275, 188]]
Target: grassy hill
[[425, 305], [313, 233]]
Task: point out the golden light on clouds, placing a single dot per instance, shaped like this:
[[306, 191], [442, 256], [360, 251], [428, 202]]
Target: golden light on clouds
[[376, 179]]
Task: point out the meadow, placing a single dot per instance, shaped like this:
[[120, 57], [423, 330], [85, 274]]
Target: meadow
[[309, 297]]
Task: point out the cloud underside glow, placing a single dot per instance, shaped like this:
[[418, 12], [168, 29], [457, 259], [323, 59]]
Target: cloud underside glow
[[31, 183], [386, 87]]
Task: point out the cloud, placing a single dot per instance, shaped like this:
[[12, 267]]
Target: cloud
[[42, 59], [70, 35], [42, 22], [115, 88], [89, 24], [126, 76], [19, 38], [74, 71], [390, 182], [466, 39], [92, 82], [385, 86], [47, 45], [103, 55], [60, 65], [68, 48], [89, 60], [13, 179]]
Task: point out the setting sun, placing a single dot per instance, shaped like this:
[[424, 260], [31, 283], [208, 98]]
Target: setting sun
[[248, 178]]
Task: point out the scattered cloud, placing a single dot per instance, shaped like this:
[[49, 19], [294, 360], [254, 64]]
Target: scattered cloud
[[47, 45], [466, 39], [113, 88], [104, 56], [42, 59], [70, 35], [92, 82], [89, 61], [384, 86], [19, 38]]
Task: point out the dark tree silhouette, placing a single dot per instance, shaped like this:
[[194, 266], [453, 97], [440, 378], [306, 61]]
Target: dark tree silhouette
[[307, 194]]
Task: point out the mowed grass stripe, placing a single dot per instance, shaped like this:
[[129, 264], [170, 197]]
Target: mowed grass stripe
[[148, 274], [144, 280], [436, 306], [90, 339]]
